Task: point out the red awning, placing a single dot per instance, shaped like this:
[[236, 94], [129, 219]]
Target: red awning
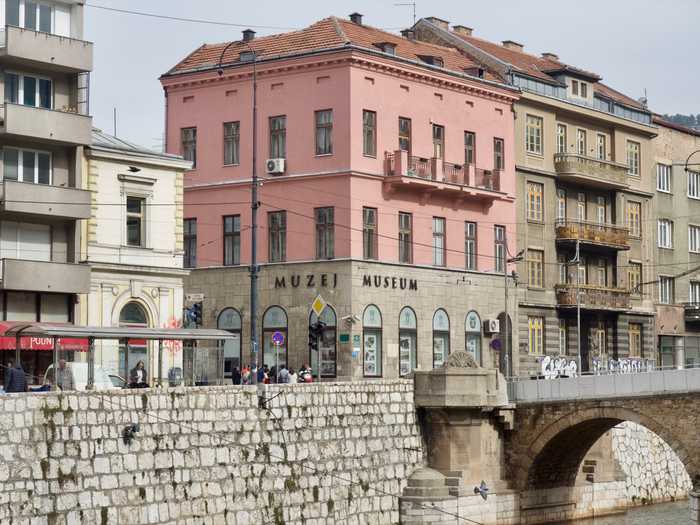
[[38, 343]]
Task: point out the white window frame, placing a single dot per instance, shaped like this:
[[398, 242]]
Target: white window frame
[[23, 18], [20, 162], [602, 146], [693, 238], [581, 134], [664, 177], [37, 92], [561, 204], [693, 184], [534, 143], [665, 289], [562, 133], [665, 233], [634, 162], [694, 292], [144, 220]]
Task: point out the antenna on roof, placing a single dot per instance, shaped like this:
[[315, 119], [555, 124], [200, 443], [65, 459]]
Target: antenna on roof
[[412, 4], [644, 101]]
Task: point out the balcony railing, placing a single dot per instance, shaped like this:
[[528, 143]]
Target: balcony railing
[[587, 170], [592, 297], [692, 312], [590, 232], [440, 171]]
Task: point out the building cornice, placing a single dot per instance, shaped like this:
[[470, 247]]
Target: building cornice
[[353, 56], [128, 157], [137, 268]]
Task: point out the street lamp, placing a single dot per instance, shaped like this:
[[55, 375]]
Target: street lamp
[[254, 205], [509, 357]]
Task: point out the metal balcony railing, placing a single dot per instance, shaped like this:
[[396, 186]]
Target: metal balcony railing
[[608, 234], [592, 297]]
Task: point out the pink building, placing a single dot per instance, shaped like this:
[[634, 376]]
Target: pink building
[[388, 190]]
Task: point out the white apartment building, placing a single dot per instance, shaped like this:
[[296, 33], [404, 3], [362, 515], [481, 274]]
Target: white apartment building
[[133, 243]]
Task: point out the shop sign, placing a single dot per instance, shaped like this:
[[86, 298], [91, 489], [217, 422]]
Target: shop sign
[[344, 338], [311, 280], [379, 281]]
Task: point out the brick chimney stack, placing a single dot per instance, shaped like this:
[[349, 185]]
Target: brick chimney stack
[[356, 18], [512, 44], [248, 35], [463, 30]]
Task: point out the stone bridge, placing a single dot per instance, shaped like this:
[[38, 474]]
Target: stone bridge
[[528, 439], [557, 421]]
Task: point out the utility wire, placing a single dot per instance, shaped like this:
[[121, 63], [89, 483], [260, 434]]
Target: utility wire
[[185, 19]]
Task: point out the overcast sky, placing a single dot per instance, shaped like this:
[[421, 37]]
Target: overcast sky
[[632, 44]]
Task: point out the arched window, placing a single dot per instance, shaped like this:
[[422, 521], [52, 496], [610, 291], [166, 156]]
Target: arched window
[[407, 341], [275, 337], [131, 351], [230, 320], [441, 337], [472, 335], [372, 332], [322, 359]]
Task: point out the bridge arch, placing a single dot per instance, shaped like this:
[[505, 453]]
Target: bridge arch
[[551, 456]]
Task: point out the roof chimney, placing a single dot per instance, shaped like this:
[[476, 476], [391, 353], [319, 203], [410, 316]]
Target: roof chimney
[[410, 34], [356, 18], [512, 44], [442, 24], [550, 56], [248, 35], [462, 30]]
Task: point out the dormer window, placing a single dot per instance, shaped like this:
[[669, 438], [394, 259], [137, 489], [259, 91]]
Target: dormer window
[[574, 88], [579, 88], [475, 72], [247, 56], [432, 60], [387, 47]]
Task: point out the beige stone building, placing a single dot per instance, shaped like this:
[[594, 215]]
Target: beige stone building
[[584, 162], [676, 290]]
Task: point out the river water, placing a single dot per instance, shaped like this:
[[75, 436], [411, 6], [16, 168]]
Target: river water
[[677, 513]]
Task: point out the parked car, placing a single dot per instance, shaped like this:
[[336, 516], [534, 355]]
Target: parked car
[[80, 372]]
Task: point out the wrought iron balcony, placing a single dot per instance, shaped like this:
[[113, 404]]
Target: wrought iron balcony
[[606, 235], [592, 297], [580, 169], [692, 312]]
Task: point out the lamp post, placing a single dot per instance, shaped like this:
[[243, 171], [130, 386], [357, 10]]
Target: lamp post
[[506, 328], [254, 205]]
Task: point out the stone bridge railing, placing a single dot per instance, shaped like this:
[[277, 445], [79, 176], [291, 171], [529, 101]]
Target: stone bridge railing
[[594, 387]]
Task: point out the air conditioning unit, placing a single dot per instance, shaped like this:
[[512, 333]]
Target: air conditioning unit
[[492, 326], [274, 166]]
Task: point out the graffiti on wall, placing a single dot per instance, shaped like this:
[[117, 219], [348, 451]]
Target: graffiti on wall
[[626, 365], [173, 346], [552, 367]]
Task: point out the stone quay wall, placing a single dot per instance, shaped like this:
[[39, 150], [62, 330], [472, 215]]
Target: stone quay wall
[[313, 453], [654, 472]]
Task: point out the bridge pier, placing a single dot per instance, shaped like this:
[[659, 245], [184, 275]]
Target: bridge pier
[[694, 500]]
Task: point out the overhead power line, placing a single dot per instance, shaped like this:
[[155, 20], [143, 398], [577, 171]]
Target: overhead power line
[[185, 19]]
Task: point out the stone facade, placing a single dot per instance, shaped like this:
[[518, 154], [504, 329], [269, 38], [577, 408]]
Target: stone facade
[[322, 453], [653, 471], [344, 285]]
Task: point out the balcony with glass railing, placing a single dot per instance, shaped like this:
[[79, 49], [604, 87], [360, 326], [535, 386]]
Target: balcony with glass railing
[[592, 297], [409, 171], [603, 235], [588, 171]]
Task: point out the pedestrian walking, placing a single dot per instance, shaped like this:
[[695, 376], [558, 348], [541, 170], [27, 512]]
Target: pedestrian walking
[[236, 376], [138, 377], [64, 378], [15, 379], [283, 375], [305, 374], [292, 376]]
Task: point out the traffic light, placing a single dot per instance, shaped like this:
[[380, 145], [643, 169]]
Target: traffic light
[[313, 337], [197, 314]]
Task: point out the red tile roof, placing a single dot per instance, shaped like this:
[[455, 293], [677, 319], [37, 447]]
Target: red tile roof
[[661, 121], [328, 33], [542, 68]]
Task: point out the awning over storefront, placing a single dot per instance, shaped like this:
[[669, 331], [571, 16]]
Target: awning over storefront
[[9, 332], [49, 331]]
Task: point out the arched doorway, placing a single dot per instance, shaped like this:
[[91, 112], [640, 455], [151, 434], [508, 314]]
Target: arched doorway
[[131, 351], [323, 359], [230, 320]]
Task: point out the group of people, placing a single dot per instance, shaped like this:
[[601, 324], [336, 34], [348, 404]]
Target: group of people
[[266, 375]]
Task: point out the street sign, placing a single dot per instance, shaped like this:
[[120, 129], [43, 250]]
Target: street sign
[[278, 338], [194, 297], [318, 305]]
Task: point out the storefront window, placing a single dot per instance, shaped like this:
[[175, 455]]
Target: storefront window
[[372, 331], [323, 359], [132, 351], [275, 337], [472, 335], [407, 341], [230, 320], [441, 337]]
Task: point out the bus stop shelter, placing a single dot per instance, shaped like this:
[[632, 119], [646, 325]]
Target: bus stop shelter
[[27, 334]]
